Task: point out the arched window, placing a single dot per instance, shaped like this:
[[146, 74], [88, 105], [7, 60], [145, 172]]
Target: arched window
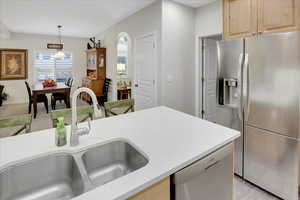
[[123, 53]]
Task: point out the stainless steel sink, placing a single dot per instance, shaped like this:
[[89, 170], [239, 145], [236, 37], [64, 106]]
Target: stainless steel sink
[[48, 178], [64, 176], [111, 161]]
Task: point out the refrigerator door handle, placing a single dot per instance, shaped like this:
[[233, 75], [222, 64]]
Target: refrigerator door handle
[[240, 79], [246, 87]]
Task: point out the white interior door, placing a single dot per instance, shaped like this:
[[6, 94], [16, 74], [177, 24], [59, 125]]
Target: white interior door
[[145, 65], [210, 69]]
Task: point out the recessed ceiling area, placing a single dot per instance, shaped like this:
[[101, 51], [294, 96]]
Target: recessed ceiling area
[[195, 3], [79, 18]]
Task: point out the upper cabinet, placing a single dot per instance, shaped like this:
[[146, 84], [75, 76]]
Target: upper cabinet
[[239, 18], [278, 16], [244, 18]]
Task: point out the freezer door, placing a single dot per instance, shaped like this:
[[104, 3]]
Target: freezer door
[[271, 162], [229, 113], [272, 102]]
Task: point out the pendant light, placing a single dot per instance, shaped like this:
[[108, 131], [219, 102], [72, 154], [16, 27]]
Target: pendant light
[[60, 54]]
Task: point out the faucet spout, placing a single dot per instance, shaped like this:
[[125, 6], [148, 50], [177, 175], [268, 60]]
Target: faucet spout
[[75, 131]]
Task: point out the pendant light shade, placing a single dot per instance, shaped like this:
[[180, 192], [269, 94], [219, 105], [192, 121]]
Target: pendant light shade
[[60, 54]]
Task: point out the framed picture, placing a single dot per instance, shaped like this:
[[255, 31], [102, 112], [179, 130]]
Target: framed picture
[[13, 64]]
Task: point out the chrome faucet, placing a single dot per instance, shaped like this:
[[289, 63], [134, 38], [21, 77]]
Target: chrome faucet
[[75, 131]]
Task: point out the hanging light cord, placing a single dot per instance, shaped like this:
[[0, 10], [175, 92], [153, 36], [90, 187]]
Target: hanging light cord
[[59, 33]]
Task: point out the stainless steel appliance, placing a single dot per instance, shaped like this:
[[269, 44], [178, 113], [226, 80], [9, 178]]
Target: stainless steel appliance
[[258, 94], [203, 178]]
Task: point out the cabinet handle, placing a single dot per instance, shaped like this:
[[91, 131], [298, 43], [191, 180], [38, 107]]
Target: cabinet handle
[[212, 165]]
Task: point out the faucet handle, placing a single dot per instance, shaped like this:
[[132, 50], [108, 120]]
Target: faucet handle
[[85, 130]]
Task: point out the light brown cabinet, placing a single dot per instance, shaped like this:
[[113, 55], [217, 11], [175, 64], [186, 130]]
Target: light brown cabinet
[[239, 18], [95, 70], [96, 63], [244, 18], [278, 16], [159, 191]]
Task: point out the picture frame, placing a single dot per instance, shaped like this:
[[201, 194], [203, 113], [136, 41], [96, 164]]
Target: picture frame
[[13, 64]]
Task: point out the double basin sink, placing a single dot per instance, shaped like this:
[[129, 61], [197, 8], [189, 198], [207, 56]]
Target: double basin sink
[[63, 176]]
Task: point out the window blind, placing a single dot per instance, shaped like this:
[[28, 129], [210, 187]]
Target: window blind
[[47, 67]]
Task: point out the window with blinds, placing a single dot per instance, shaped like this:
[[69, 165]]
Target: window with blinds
[[48, 67]]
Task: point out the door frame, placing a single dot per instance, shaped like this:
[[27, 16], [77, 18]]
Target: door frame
[[155, 42], [198, 75], [199, 69]]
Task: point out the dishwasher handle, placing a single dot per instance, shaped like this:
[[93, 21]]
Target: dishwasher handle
[[194, 170]]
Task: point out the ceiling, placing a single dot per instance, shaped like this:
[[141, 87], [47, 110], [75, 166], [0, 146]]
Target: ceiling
[[79, 18], [195, 3]]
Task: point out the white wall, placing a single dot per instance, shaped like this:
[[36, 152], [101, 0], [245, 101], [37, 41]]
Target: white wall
[[209, 19], [178, 56], [175, 27], [143, 22], [4, 32], [16, 88]]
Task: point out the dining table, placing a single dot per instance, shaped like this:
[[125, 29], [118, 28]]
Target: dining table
[[59, 88]]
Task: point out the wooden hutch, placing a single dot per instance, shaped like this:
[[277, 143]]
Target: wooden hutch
[[96, 71]]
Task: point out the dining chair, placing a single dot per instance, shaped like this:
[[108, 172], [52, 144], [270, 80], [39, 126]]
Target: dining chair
[[41, 98], [60, 96], [69, 82], [102, 97], [83, 114], [118, 107], [15, 125], [1, 90]]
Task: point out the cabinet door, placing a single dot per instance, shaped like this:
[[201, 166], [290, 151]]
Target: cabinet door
[[91, 61], [240, 18], [278, 16], [101, 64], [159, 191]]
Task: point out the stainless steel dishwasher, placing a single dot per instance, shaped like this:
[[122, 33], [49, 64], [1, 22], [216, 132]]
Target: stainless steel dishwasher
[[210, 178]]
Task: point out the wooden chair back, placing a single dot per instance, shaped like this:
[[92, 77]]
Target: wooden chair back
[[1, 98], [24, 121], [1, 89], [83, 113], [28, 89], [106, 85], [69, 82], [119, 107]]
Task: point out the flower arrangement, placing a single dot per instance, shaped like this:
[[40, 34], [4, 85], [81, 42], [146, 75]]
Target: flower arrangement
[[49, 83]]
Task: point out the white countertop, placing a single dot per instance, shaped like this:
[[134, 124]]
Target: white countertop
[[171, 140]]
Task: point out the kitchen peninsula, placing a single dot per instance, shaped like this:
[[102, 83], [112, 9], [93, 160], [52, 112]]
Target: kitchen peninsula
[[168, 139]]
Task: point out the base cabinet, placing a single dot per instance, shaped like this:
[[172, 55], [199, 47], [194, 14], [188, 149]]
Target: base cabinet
[[158, 191]]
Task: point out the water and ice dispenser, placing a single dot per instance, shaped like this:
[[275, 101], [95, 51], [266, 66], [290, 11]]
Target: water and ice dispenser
[[228, 91]]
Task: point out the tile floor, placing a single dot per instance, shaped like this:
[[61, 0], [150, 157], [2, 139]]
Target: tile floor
[[246, 191], [243, 190]]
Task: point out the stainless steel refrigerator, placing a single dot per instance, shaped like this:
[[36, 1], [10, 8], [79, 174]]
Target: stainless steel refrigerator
[[258, 94]]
